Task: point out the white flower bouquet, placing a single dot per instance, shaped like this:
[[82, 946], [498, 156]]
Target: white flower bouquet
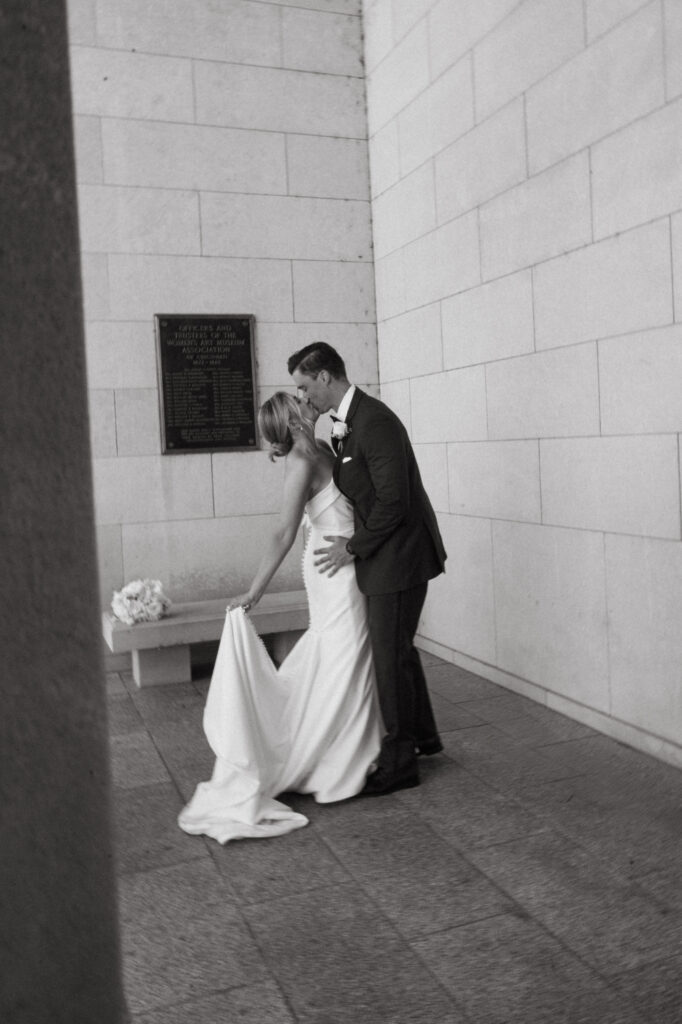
[[140, 601]]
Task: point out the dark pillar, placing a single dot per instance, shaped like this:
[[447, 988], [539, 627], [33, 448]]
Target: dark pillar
[[59, 949]]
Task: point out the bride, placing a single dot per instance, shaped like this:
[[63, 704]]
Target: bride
[[313, 725]]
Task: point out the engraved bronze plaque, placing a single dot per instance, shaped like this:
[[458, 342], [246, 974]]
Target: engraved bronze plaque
[[207, 386]]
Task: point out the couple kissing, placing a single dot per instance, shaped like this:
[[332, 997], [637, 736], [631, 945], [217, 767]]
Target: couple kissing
[[348, 712]]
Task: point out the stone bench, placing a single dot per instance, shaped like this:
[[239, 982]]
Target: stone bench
[[161, 650]]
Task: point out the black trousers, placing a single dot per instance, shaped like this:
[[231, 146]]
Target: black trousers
[[403, 696]]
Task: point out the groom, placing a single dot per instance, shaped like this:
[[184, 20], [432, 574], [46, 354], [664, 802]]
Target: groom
[[396, 548]]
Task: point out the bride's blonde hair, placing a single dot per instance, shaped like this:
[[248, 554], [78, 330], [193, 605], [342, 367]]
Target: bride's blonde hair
[[277, 418]]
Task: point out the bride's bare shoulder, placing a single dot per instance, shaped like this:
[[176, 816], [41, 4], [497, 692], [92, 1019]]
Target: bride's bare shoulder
[[309, 470], [325, 460], [299, 465]]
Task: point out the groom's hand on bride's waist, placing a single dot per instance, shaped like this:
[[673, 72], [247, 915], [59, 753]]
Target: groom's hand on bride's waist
[[334, 557]]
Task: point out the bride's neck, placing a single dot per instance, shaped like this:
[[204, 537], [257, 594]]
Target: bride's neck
[[303, 443]]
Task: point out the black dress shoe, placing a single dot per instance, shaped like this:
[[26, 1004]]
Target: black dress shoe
[[382, 782], [429, 747]]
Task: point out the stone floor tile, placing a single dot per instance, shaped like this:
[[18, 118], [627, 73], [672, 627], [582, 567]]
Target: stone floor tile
[[180, 742], [129, 683], [552, 717], [553, 799], [338, 961], [611, 924], [434, 901], [499, 760], [175, 702], [633, 777], [262, 870], [122, 716], [182, 936], [620, 775], [594, 754], [416, 878], [633, 837], [655, 989], [465, 811], [537, 731], [345, 814], [262, 1003], [114, 686], [451, 716], [494, 710], [666, 777], [456, 684], [135, 761], [188, 776], [427, 659], [146, 829], [507, 970], [665, 885], [202, 686], [384, 839]]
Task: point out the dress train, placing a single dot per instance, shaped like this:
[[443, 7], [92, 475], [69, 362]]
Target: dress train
[[311, 726]]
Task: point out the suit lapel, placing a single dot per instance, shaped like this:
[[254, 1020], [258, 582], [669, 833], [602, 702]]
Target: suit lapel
[[355, 401]]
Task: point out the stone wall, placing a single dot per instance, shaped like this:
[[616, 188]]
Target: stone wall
[[222, 164], [525, 166]]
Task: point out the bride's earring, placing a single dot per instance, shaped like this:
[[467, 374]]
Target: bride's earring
[[293, 428]]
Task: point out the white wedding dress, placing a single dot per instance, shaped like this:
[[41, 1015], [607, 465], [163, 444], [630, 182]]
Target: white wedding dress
[[311, 726]]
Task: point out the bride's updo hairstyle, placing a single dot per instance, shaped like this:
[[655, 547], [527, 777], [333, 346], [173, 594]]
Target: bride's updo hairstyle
[[278, 418]]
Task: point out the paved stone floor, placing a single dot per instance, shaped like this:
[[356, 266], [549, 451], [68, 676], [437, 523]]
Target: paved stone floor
[[534, 876]]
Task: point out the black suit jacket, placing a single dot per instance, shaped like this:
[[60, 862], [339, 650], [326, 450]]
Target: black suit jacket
[[397, 541]]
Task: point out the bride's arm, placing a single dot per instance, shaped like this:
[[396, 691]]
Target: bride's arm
[[297, 481]]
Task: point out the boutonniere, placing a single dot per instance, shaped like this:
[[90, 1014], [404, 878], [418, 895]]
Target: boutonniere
[[340, 430]]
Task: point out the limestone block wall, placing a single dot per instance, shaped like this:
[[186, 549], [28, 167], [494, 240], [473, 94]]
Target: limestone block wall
[[222, 165], [525, 169]]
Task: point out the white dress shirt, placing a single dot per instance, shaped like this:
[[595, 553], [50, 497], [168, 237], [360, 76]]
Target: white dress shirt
[[344, 404]]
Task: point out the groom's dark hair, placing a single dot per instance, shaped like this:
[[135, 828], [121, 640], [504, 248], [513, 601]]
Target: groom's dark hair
[[316, 357]]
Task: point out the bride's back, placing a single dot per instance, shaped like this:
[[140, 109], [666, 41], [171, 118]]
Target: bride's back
[[321, 463]]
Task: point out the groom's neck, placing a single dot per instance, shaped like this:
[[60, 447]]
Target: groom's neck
[[338, 390]]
